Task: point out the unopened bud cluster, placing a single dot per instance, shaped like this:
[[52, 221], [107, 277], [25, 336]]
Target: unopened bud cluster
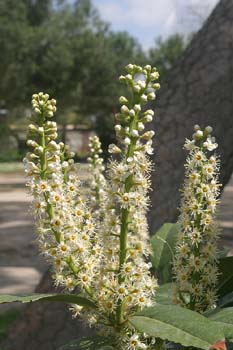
[[43, 105], [195, 267], [96, 169], [133, 117]]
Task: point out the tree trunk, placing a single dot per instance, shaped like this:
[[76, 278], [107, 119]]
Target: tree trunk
[[197, 90]]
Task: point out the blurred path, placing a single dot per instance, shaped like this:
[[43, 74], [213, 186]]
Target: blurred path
[[20, 265]]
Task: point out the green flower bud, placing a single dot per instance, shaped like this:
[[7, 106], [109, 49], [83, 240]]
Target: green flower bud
[[156, 86], [208, 130], [147, 67], [137, 108], [122, 79], [196, 127], [123, 100], [130, 67], [151, 96], [124, 109], [154, 76]]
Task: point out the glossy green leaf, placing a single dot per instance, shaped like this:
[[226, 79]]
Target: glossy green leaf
[[67, 298], [164, 294], [163, 245], [224, 318], [95, 342], [226, 301], [179, 325], [225, 284], [224, 253]]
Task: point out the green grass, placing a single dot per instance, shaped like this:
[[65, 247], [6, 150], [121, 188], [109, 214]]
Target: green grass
[[6, 320], [11, 167]]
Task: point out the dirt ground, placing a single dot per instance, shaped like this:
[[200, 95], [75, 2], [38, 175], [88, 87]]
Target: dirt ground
[[21, 267]]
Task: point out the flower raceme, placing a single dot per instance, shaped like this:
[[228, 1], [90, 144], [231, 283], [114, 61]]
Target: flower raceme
[[103, 249], [65, 225], [195, 267]]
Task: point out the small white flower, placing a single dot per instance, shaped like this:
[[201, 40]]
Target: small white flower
[[209, 129], [127, 141], [144, 98], [128, 77], [151, 96], [122, 291], [137, 108], [134, 343], [124, 109], [132, 113], [210, 145], [148, 135], [135, 133], [117, 127], [189, 145], [141, 126], [148, 147], [43, 186], [148, 118], [123, 100], [198, 134], [113, 149]]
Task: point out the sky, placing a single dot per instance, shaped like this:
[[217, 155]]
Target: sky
[[147, 19]]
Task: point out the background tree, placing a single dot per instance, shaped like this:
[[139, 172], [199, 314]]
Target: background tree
[[70, 52], [67, 50], [167, 51], [17, 43]]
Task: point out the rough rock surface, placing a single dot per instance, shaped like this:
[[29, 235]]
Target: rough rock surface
[[197, 90]]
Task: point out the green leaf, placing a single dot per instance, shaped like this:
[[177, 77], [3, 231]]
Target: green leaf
[[164, 294], [226, 328], [226, 301], [226, 276], [224, 317], [95, 342], [179, 325], [163, 246], [224, 253], [67, 298]]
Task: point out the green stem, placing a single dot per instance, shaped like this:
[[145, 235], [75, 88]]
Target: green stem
[[124, 228], [44, 164], [123, 236], [125, 212]]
